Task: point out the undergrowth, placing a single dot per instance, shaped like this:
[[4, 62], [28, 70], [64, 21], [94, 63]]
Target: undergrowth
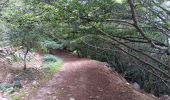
[[51, 63]]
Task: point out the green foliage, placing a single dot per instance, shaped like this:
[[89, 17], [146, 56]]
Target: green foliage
[[120, 1], [53, 66], [26, 35], [17, 84], [5, 86], [16, 96], [25, 28], [51, 63], [52, 45], [48, 58]]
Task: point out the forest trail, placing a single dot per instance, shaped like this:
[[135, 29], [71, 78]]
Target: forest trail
[[85, 79]]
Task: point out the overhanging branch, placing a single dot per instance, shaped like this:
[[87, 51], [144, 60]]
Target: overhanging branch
[[145, 54], [135, 24]]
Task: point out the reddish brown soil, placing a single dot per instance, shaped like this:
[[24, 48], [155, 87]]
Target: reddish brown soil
[[3, 70], [84, 79]]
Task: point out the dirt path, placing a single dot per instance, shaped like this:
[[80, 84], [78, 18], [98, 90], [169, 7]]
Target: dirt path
[[84, 79]]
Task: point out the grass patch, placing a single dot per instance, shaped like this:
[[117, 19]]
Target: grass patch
[[53, 66], [51, 63], [18, 96]]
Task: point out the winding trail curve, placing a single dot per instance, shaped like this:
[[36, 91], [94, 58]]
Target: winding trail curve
[[85, 79]]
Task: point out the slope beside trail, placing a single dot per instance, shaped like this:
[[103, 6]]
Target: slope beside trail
[[85, 79]]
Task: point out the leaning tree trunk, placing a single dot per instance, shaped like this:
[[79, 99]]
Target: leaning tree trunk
[[25, 59], [168, 54]]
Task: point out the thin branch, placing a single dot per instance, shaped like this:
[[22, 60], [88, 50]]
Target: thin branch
[[133, 57], [147, 63], [162, 79], [164, 9], [135, 24], [159, 27], [145, 54], [4, 2], [122, 21], [140, 40], [158, 76]]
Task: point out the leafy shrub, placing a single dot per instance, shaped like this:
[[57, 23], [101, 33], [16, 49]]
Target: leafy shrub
[[50, 58], [51, 44], [5, 86]]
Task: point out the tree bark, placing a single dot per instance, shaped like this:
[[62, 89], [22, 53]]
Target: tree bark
[[25, 59]]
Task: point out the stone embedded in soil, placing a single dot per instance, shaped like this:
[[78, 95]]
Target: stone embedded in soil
[[97, 97], [54, 97], [9, 78], [3, 99], [100, 90], [136, 86], [34, 83], [90, 97], [165, 97], [49, 93], [1, 96], [71, 98]]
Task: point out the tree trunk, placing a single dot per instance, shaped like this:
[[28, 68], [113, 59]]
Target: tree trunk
[[25, 59], [168, 55]]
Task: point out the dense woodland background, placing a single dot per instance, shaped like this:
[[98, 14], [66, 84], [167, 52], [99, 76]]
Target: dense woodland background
[[131, 35]]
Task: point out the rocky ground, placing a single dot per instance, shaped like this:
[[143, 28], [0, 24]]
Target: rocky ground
[[10, 73]]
